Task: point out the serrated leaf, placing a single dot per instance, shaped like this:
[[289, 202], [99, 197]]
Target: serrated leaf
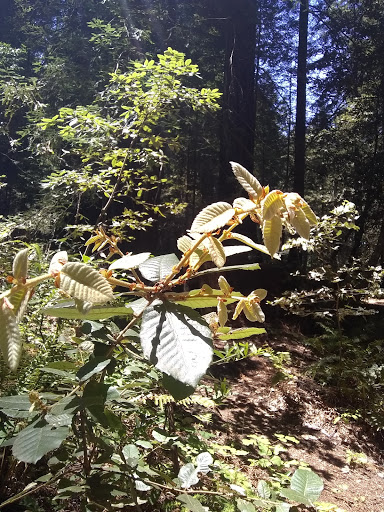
[[216, 251], [301, 224], [17, 406], [272, 204], [263, 490], [272, 230], [308, 483], [158, 268], [69, 310], [184, 243], [37, 440], [19, 299], [177, 341], [20, 264], [308, 212], [242, 203], [188, 476], [249, 183], [213, 217], [130, 261], [10, 340], [225, 287], [191, 503], [59, 420], [84, 283], [203, 460], [238, 334]]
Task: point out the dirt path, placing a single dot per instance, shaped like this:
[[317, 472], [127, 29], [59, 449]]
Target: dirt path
[[300, 408]]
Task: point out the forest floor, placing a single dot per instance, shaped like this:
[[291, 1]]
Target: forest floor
[[300, 407]]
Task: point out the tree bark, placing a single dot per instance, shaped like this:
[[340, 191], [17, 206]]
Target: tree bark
[[301, 101], [238, 113]]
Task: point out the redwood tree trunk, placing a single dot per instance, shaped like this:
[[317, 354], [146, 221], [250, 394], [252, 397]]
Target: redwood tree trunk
[[301, 102]]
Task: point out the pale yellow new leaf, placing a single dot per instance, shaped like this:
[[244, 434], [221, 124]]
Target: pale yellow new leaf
[[244, 204], [184, 243], [222, 313], [84, 283], [216, 251], [224, 285], [272, 204], [10, 340], [213, 217], [300, 222], [272, 230]]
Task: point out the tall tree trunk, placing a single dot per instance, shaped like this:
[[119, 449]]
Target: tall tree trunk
[[301, 101], [238, 114]]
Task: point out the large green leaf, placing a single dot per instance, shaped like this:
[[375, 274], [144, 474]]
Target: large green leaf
[[37, 440], [188, 476], [69, 310], [157, 268], [84, 283], [308, 483], [245, 506], [17, 406], [10, 340], [212, 218], [93, 366], [177, 341], [191, 503]]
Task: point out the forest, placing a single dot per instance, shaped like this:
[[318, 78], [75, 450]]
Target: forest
[[191, 255]]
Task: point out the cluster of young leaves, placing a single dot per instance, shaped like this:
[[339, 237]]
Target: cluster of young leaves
[[117, 147]]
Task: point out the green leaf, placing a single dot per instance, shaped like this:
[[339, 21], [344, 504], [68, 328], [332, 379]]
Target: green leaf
[[238, 334], [158, 268], [301, 224], [10, 340], [177, 341], [250, 266], [295, 496], [191, 503], [308, 483], [84, 283], [20, 264], [177, 389], [37, 440], [248, 241], [263, 490], [213, 217], [203, 460], [231, 250], [188, 476], [245, 506], [130, 261], [249, 183], [69, 310], [16, 406], [197, 300], [131, 455], [93, 366]]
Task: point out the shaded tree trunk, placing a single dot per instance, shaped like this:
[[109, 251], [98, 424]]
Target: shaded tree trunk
[[301, 102], [238, 113]]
